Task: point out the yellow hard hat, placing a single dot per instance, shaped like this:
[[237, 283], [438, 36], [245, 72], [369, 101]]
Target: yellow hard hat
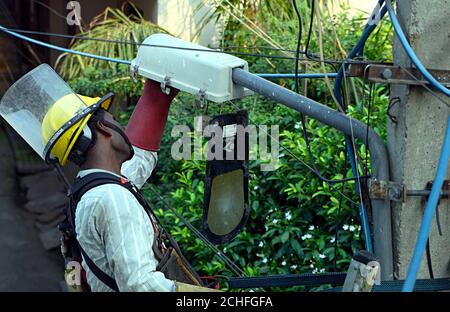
[[65, 120]]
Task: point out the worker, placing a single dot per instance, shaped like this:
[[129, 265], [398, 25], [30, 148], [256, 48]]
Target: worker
[[114, 228]]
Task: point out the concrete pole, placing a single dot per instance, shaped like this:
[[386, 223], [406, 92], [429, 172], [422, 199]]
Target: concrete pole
[[414, 143]]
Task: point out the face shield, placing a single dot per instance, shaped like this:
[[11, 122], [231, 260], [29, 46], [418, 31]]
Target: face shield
[[225, 209], [45, 112]]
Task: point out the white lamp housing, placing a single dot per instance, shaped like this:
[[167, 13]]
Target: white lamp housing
[[189, 67]]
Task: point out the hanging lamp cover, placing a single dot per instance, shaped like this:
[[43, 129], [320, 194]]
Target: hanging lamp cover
[[225, 207]]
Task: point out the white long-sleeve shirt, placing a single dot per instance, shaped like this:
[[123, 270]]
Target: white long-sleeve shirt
[[117, 234]]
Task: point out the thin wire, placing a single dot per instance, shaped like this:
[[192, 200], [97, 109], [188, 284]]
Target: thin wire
[[311, 20], [338, 217], [51, 46], [410, 52], [302, 116], [311, 57], [148, 45], [50, 9], [369, 111], [304, 163], [424, 85], [354, 149], [236, 270]]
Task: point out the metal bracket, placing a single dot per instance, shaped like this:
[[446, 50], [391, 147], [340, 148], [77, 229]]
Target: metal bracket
[[134, 73], [386, 190], [382, 73], [165, 85], [200, 98]]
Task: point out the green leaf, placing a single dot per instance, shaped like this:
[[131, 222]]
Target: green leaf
[[285, 237], [296, 247]]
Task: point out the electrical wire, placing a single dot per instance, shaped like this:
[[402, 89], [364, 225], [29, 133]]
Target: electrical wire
[[329, 182], [359, 187], [424, 85], [311, 20], [338, 217], [410, 52], [145, 44], [51, 46], [233, 267], [430, 210], [350, 145], [302, 117], [312, 57]]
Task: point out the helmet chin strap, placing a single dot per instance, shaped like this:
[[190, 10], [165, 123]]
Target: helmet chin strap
[[122, 134]]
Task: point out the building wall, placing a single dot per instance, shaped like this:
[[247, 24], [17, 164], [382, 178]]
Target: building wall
[[182, 19]]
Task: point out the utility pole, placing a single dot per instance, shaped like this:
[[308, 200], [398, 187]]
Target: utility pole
[[415, 141]]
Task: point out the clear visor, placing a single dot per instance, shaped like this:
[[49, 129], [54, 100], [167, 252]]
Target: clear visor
[[28, 100]]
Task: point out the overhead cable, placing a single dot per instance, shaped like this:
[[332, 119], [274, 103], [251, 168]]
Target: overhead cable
[[410, 52]]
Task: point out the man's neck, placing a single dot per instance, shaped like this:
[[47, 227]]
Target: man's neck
[[112, 169], [104, 163]]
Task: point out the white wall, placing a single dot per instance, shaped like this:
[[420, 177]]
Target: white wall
[[181, 19]]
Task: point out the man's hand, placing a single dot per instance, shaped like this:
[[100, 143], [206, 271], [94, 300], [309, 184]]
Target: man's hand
[[146, 125], [183, 287]]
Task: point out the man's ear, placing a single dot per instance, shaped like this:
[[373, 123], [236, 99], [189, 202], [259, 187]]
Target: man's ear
[[103, 129]]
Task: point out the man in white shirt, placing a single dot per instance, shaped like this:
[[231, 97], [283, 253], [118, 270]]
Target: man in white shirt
[[111, 225], [115, 229]]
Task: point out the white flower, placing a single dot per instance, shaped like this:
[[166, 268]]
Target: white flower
[[297, 125], [332, 240], [311, 266], [293, 267], [322, 270], [322, 256], [256, 187], [314, 271], [261, 244], [275, 221], [306, 236], [352, 228], [283, 263], [345, 227], [264, 260], [288, 215], [311, 227]]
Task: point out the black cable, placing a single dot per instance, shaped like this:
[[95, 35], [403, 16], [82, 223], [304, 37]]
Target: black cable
[[311, 57], [302, 117], [429, 262], [297, 51], [311, 20], [338, 217]]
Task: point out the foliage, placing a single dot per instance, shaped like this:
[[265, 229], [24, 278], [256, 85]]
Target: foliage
[[294, 215], [95, 77]]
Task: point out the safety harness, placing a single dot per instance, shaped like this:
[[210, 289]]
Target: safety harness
[[171, 261]]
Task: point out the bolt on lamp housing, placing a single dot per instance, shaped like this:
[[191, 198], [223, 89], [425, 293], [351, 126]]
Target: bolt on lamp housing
[[189, 67]]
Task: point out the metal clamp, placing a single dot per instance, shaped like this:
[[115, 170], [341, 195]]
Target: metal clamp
[[388, 73], [386, 190], [134, 73], [165, 85], [200, 98]]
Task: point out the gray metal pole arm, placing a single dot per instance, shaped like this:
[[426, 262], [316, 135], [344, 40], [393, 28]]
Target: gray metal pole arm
[[379, 157]]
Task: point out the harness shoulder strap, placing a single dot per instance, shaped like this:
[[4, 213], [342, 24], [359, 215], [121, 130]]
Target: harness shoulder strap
[[80, 187]]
